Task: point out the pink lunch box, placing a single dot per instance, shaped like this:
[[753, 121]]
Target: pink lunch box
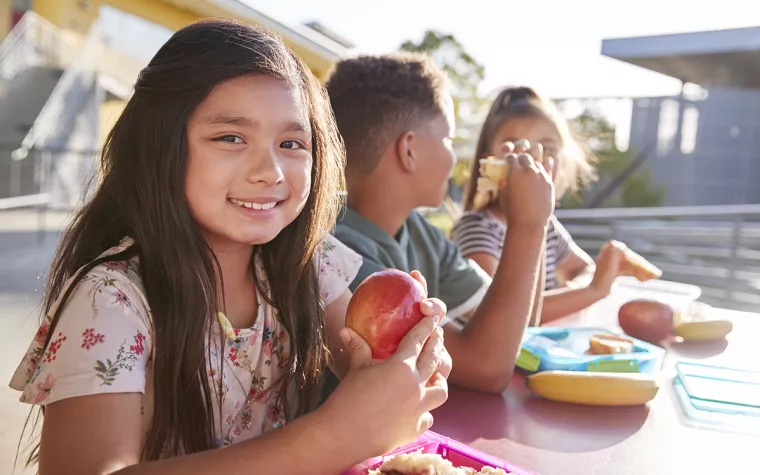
[[457, 453]]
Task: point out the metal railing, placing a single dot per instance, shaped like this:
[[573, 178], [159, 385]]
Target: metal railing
[[714, 247]]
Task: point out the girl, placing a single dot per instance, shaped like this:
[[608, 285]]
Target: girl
[[192, 301], [521, 113]]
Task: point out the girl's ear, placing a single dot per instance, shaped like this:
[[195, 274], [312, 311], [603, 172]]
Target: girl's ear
[[405, 152]]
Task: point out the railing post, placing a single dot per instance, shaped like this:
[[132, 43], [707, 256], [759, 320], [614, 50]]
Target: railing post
[[736, 242]]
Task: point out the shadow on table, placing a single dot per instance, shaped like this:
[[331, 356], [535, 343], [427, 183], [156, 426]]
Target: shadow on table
[[525, 419], [573, 428], [698, 349]]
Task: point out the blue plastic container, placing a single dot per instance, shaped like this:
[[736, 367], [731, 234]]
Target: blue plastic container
[[552, 348]]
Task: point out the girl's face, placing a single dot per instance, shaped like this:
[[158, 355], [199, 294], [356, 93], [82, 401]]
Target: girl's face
[[249, 160], [534, 128]]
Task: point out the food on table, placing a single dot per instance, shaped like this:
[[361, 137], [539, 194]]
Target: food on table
[[418, 463], [697, 325], [594, 388], [646, 320], [638, 267], [609, 344], [385, 306]]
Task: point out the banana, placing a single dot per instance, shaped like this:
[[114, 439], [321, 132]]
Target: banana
[[704, 330], [593, 388]]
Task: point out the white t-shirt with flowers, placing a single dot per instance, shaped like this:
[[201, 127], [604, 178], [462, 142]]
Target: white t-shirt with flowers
[[103, 343]]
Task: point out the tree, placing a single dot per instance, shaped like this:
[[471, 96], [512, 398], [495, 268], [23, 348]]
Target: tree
[[465, 74], [599, 136]]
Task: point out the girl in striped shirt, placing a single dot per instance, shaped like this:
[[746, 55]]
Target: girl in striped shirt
[[520, 113]]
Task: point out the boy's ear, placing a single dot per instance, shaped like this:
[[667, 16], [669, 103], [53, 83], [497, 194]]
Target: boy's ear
[[405, 152]]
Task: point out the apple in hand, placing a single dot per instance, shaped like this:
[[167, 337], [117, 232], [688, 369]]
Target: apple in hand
[[385, 306], [646, 320]]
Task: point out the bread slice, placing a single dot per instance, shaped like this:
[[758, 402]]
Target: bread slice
[[609, 344], [638, 267], [493, 172]]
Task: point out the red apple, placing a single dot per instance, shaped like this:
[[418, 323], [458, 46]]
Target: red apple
[[385, 306], [646, 320]]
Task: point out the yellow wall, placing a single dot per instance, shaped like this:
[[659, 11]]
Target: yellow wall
[[73, 15], [109, 113], [5, 17]]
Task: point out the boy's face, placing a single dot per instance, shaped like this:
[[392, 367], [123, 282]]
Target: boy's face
[[436, 157]]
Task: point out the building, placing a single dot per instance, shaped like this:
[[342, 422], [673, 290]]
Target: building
[[64, 80], [704, 147]]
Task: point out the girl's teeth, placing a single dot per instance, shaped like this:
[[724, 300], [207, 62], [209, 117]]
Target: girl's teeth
[[258, 206]]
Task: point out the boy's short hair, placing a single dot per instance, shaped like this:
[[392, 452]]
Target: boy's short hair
[[376, 98]]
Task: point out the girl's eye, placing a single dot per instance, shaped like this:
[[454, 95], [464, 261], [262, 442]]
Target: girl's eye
[[292, 145], [229, 139]]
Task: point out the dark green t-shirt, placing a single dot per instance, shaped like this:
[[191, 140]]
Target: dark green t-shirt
[[459, 283]]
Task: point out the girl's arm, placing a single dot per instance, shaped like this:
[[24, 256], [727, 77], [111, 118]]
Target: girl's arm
[[577, 263], [559, 303], [379, 406], [101, 434], [335, 321]]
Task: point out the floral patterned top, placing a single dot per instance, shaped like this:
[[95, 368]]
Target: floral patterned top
[[103, 343]]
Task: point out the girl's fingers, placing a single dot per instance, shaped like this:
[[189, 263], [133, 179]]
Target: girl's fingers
[[433, 308], [425, 423], [431, 354], [436, 394], [417, 275], [413, 343]]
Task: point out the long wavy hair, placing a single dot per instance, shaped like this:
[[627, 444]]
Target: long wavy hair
[[141, 193]]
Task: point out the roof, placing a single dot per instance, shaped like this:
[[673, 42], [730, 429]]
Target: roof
[[729, 58], [318, 50], [319, 27]]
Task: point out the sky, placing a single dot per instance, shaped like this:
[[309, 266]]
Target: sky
[[552, 45]]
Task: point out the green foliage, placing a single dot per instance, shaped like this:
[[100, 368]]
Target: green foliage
[[599, 136]]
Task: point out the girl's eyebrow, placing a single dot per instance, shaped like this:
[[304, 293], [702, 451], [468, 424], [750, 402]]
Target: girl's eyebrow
[[291, 126], [229, 120], [297, 126]]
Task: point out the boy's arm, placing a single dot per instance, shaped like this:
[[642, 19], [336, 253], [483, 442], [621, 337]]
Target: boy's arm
[[485, 349]]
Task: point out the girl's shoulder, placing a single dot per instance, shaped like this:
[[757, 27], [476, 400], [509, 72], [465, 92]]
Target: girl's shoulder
[[337, 266], [477, 221], [101, 340]]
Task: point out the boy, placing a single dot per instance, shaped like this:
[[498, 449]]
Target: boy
[[396, 118]]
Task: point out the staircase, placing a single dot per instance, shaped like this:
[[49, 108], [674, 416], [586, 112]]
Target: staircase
[[51, 89]]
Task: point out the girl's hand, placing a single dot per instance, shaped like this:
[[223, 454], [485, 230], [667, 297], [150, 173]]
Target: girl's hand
[[436, 309], [608, 266], [381, 405]]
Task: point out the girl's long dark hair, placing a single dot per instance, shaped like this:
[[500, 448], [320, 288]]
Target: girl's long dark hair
[[141, 194]]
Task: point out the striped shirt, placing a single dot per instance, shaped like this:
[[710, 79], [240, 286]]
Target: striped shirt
[[480, 231]]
